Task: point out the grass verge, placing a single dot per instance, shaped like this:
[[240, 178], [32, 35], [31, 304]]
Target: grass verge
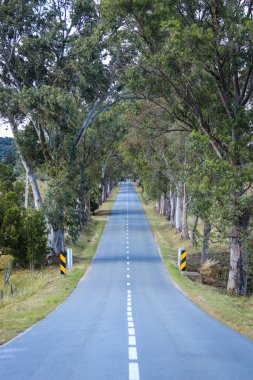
[[235, 312], [38, 293]]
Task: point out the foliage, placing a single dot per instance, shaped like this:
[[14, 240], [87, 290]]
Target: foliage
[[35, 237]]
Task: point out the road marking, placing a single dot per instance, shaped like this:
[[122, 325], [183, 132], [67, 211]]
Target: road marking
[[129, 303], [130, 324], [134, 371], [127, 268], [128, 283], [131, 331], [130, 319], [129, 291], [132, 340], [128, 275], [129, 308], [128, 263], [132, 353]]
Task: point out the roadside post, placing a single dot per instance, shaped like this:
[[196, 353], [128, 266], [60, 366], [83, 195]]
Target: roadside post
[[63, 262], [69, 259], [182, 255]]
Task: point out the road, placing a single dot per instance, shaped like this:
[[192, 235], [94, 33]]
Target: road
[[127, 321]]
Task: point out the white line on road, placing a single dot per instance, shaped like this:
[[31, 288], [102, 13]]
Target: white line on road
[[129, 314], [132, 353], [130, 319], [130, 324], [134, 371], [128, 283], [131, 331], [132, 340]]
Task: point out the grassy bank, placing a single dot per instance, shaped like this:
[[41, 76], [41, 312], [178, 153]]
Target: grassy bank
[[235, 312], [38, 293]]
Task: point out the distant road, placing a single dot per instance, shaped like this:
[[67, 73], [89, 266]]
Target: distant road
[[127, 321]]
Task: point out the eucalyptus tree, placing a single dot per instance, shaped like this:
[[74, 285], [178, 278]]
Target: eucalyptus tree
[[197, 56], [53, 85]]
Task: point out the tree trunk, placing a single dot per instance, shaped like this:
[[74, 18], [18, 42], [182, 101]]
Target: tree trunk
[[29, 172], [178, 213], [56, 240], [172, 208], [108, 192], [103, 193], [26, 190], [185, 231], [87, 204], [238, 273], [162, 204], [158, 205], [205, 246], [167, 208], [194, 230]]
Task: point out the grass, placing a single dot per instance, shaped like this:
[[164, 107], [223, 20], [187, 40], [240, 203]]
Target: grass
[[38, 293], [235, 312]]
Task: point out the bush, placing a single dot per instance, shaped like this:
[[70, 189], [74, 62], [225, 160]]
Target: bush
[[35, 236], [209, 272], [23, 234]]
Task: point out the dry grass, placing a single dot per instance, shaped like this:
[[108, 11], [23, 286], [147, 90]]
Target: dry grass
[[233, 311], [39, 292]]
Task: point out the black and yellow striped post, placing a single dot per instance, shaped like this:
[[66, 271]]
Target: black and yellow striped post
[[63, 262], [183, 260]]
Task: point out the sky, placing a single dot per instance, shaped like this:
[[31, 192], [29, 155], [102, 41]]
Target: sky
[[5, 131]]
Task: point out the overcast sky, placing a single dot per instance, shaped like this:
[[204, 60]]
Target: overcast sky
[[4, 130]]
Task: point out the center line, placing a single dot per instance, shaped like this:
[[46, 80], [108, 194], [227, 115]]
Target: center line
[[132, 340], [132, 353], [131, 331], [134, 371]]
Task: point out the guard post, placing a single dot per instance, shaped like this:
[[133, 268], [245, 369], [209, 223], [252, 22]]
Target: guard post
[[63, 262], [69, 259], [182, 255]]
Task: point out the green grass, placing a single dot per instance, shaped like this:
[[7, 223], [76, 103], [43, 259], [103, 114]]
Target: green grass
[[38, 293], [236, 312]]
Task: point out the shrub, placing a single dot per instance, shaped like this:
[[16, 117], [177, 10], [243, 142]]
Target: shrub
[[209, 272], [35, 236]]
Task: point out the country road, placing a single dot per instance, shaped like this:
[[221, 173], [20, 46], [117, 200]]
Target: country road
[[127, 321]]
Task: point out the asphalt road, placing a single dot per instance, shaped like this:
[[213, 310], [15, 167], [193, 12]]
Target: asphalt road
[[127, 321]]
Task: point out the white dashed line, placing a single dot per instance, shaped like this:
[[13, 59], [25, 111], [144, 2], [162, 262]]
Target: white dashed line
[[132, 353], [131, 331], [134, 371], [132, 340]]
